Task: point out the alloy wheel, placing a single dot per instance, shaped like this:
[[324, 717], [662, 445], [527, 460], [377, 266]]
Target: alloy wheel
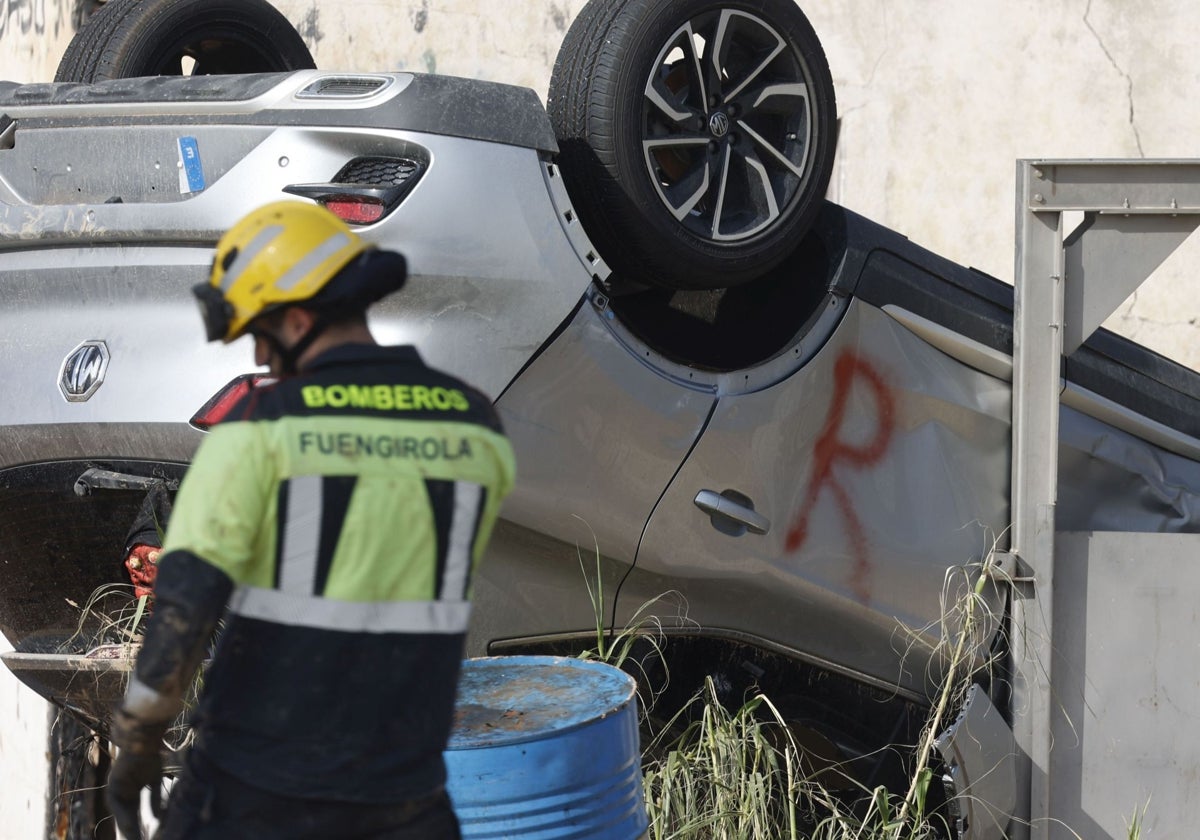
[[728, 128]]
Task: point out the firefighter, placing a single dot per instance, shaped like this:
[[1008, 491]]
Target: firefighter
[[332, 522]]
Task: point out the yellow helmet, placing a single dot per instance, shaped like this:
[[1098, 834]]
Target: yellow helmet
[[284, 252]]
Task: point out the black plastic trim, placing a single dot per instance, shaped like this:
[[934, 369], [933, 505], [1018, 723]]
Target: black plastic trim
[[143, 90], [59, 547], [447, 105]]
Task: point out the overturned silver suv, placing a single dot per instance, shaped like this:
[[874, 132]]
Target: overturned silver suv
[[792, 422]]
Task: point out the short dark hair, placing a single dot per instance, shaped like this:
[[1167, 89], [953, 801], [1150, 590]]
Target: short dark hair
[[343, 317], [272, 319]]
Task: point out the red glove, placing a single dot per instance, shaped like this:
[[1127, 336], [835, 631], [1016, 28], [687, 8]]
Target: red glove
[[142, 565]]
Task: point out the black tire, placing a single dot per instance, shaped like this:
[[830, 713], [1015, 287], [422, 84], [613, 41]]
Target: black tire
[[128, 38], [730, 181]]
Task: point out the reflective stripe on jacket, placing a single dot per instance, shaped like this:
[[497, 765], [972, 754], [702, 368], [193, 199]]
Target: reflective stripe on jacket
[[349, 505]]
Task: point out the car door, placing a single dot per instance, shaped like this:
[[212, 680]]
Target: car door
[[597, 434], [822, 513]]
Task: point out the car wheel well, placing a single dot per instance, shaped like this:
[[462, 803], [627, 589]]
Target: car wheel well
[[738, 327]]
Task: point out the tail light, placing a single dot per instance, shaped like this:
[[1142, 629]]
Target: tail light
[[366, 189], [355, 210], [220, 404]]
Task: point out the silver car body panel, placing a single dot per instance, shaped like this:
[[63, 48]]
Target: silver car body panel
[[1111, 480], [879, 464], [479, 305], [862, 588], [979, 771], [983, 358], [598, 435], [1120, 471], [493, 267]]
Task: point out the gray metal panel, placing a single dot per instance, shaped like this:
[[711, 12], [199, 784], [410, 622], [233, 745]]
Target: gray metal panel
[[971, 307], [995, 363], [1163, 189], [1117, 186], [530, 585], [1125, 250], [35, 443], [1125, 721], [474, 195], [90, 686], [1037, 352], [1118, 471], [160, 369]]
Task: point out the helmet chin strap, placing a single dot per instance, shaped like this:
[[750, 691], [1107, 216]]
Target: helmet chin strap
[[289, 356]]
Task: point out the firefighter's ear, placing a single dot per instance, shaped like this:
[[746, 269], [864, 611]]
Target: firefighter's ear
[[296, 323]]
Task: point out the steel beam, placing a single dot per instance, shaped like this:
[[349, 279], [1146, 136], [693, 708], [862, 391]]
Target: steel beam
[[1136, 214]]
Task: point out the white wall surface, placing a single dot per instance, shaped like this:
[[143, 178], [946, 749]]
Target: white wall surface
[[23, 765], [937, 100]]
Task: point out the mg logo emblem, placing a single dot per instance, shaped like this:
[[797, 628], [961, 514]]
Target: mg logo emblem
[[83, 371], [718, 124]]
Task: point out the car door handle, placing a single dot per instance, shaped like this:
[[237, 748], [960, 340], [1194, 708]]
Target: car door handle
[[732, 513]]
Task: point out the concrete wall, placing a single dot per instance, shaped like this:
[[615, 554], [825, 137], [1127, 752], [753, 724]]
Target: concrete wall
[[23, 764], [937, 100], [33, 35]]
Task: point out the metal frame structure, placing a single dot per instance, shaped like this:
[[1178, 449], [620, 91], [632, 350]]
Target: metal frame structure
[[1136, 213]]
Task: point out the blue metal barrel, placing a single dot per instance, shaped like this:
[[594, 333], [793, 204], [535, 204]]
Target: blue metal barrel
[[545, 747]]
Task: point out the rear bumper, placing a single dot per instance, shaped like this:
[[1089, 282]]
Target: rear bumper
[[88, 685]]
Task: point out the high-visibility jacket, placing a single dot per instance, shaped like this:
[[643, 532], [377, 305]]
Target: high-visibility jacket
[[348, 506]]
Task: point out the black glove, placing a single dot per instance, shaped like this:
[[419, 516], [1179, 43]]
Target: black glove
[[138, 764]]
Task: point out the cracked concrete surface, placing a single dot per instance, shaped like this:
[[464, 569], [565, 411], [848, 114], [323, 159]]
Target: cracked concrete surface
[[1163, 314], [1128, 79]]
